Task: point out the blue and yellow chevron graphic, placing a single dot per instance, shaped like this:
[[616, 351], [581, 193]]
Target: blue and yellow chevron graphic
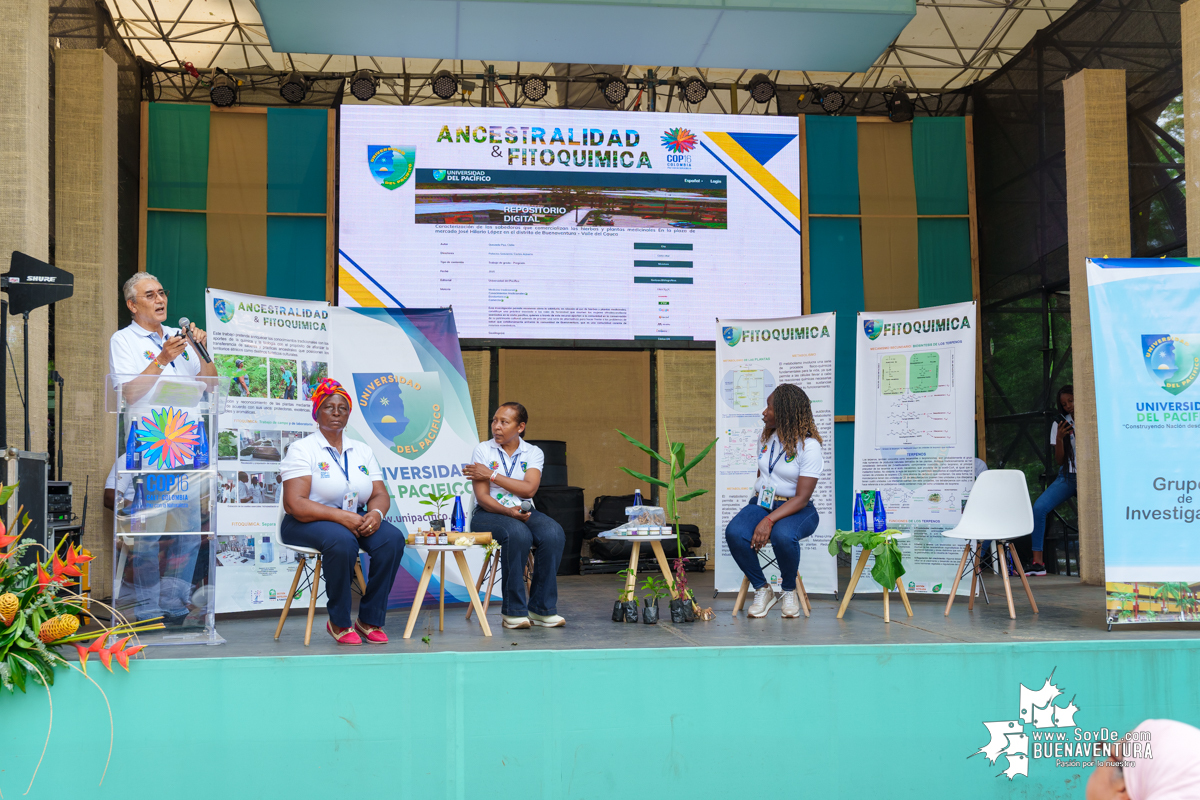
[[751, 152]]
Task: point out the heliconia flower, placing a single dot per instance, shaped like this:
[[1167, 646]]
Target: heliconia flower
[[83, 656], [105, 658], [44, 579], [97, 644], [5, 541], [61, 569], [74, 558]]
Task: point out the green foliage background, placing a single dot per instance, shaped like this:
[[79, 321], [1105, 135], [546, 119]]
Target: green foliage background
[[255, 371], [227, 446], [278, 365]]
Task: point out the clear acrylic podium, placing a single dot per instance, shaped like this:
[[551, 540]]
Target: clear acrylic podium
[[165, 503]]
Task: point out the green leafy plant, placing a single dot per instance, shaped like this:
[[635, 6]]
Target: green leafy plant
[[678, 467], [654, 589], [888, 567], [437, 501], [626, 594]]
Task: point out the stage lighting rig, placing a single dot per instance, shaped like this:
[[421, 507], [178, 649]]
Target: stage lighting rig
[[293, 88], [762, 89], [614, 89], [831, 100], [444, 84], [222, 90], [363, 85], [534, 87], [899, 105], [693, 90]]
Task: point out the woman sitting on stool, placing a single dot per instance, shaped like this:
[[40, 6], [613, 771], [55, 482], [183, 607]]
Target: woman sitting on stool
[[335, 500], [781, 510], [506, 471]]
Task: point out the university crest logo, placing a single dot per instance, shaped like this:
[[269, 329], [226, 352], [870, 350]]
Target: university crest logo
[[872, 328], [731, 335], [1171, 359], [223, 309], [391, 167], [404, 410]]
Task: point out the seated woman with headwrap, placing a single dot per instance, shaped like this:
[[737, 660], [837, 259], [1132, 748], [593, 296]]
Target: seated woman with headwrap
[[335, 500]]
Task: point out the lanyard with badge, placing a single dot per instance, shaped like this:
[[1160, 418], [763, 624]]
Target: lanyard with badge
[[766, 496], [507, 499], [349, 499]]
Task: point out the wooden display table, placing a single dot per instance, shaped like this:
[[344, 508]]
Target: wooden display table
[[437, 553]]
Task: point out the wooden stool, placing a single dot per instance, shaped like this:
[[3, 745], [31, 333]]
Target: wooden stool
[[741, 598], [437, 552], [659, 555], [490, 569], [312, 579], [858, 568]]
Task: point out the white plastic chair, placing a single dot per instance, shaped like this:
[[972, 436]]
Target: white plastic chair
[[998, 510]]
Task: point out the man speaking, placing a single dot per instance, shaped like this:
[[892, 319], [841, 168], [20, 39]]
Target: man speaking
[[147, 346]]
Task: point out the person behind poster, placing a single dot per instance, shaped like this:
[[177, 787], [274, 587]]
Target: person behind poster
[[506, 471], [781, 510], [325, 475], [1062, 436]]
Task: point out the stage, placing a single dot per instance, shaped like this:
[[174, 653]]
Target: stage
[[726, 708]]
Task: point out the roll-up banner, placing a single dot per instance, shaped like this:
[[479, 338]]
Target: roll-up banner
[[1146, 353], [753, 357], [914, 433], [403, 367]]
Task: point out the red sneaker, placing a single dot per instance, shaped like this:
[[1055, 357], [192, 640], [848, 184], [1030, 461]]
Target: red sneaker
[[347, 637], [372, 634]]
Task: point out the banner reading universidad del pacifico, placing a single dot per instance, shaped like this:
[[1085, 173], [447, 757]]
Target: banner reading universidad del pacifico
[[1146, 352]]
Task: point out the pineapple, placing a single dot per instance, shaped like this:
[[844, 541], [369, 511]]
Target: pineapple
[[9, 605], [54, 629]]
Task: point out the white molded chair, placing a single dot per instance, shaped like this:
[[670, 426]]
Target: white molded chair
[[998, 510], [311, 576]]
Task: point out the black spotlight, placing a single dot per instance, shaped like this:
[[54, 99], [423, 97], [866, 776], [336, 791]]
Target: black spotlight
[[293, 88], [445, 85], [534, 87], [899, 105], [831, 100], [363, 85], [762, 88], [693, 90], [614, 89], [222, 90]]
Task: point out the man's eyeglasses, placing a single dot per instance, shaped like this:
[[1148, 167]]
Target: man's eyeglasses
[[152, 296]]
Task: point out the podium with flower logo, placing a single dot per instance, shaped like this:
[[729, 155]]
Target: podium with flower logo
[[165, 484]]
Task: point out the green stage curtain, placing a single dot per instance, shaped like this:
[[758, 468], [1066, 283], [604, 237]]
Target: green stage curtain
[[177, 151], [836, 279], [939, 153], [843, 502], [832, 146], [296, 257], [297, 153], [943, 261], [177, 253]]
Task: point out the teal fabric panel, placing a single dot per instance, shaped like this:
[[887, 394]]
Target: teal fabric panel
[[832, 146], [177, 254], [296, 257], [177, 156], [940, 164], [943, 261], [843, 476], [297, 157], [836, 281]]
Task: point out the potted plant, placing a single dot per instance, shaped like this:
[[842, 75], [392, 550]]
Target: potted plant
[[682, 609], [626, 608], [437, 521], [887, 569], [655, 589], [678, 468]]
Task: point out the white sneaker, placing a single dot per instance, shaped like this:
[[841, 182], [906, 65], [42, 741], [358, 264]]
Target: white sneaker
[[791, 604], [552, 621], [764, 599], [514, 622]]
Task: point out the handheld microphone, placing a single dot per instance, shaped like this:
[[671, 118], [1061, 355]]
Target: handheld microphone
[[526, 506], [184, 325]]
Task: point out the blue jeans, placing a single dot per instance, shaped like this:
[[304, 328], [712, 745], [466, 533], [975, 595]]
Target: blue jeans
[[339, 550], [1055, 495], [546, 538], [785, 539]]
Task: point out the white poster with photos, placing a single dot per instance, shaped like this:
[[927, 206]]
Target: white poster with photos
[[274, 354]]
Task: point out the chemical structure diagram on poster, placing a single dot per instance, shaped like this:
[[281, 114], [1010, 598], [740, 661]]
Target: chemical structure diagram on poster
[[916, 399]]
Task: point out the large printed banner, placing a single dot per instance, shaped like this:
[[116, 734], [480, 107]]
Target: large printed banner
[[404, 369], [1146, 352], [914, 432], [753, 357]]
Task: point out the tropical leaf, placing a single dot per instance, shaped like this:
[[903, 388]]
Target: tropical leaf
[[691, 495], [683, 472], [887, 569], [17, 670], [646, 478], [642, 447], [6, 493]]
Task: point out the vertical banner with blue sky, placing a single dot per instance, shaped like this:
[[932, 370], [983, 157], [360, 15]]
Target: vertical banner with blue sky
[[1146, 352]]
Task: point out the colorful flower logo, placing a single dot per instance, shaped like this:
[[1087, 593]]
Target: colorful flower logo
[[323, 466], [679, 140], [494, 465], [166, 439], [149, 356]]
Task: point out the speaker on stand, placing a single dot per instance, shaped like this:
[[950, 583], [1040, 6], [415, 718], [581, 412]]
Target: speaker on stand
[[554, 471]]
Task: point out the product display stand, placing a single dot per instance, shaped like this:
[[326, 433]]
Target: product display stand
[[887, 592], [165, 503], [655, 541], [437, 552]]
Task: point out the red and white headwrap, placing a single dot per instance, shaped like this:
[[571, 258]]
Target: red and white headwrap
[[326, 389]]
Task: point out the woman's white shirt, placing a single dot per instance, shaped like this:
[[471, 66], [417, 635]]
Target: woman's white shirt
[[314, 456], [806, 463], [491, 455]]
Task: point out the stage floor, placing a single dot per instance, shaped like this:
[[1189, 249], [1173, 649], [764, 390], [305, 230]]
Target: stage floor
[[1070, 611]]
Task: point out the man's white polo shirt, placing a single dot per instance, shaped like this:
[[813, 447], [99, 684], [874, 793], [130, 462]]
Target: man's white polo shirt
[[528, 456], [132, 348], [332, 475]]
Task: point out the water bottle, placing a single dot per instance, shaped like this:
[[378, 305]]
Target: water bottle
[[200, 452], [133, 459], [137, 510], [880, 516], [860, 513], [637, 497], [458, 520]]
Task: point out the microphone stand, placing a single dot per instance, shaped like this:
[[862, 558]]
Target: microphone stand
[[25, 336], [57, 377]]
